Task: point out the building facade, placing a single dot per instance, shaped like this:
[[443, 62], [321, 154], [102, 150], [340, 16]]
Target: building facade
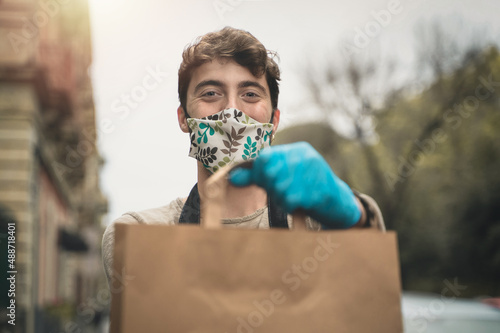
[[49, 164]]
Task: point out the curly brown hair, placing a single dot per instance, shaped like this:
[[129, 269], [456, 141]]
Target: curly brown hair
[[235, 44]]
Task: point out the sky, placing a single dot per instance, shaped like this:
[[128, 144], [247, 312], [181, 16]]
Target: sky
[[137, 47]]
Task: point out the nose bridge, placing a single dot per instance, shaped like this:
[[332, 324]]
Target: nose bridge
[[233, 100]]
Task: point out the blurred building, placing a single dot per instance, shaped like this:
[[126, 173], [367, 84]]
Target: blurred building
[[49, 163]]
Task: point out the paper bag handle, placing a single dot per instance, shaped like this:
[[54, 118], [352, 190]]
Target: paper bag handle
[[214, 196]]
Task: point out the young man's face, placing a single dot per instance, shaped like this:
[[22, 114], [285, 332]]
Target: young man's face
[[219, 85]]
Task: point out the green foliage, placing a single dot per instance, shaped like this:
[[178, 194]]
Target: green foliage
[[435, 173]]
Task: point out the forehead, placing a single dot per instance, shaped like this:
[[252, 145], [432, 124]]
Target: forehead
[[226, 71]]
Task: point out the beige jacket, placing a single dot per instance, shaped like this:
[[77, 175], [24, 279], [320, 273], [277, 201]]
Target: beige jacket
[[169, 215]]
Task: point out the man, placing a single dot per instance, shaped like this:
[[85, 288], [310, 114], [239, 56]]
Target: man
[[228, 91]]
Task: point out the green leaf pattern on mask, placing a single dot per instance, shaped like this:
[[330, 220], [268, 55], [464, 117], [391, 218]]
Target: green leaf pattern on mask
[[192, 124], [250, 150], [268, 135], [242, 140], [247, 121], [218, 127], [225, 161], [204, 135]]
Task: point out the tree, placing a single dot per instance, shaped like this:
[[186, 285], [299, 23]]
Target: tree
[[429, 159]]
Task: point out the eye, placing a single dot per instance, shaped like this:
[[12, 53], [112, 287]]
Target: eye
[[210, 95], [251, 95]]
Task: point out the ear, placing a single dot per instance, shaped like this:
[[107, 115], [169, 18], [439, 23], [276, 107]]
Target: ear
[[181, 117], [276, 120]]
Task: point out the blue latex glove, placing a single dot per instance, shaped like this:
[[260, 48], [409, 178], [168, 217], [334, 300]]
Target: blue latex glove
[[298, 177]]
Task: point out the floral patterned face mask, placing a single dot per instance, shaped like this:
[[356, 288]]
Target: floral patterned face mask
[[227, 137]]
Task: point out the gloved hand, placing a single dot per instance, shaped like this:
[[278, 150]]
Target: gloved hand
[[298, 177]]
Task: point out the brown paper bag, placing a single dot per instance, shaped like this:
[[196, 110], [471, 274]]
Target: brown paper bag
[[191, 278]]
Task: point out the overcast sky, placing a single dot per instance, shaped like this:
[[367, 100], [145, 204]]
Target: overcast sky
[[137, 48]]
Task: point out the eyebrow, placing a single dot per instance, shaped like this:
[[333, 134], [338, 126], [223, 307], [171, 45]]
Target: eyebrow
[[257, 85], [205, 83]]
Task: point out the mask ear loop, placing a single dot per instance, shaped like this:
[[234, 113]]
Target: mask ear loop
[[272, 117], [271, 121]]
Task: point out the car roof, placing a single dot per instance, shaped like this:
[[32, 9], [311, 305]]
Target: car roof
[[439, 306]]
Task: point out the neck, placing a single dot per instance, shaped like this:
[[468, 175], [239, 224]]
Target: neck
[[240, 201]]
